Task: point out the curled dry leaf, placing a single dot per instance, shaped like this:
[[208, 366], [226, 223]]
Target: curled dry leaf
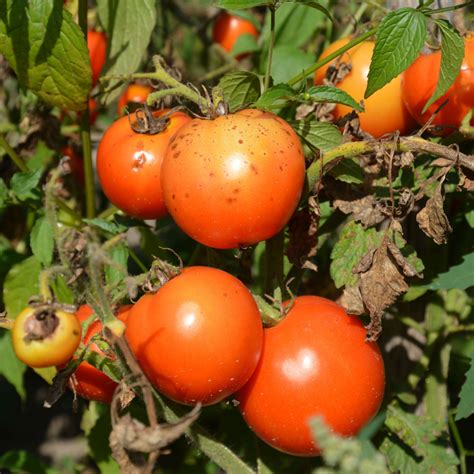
[[303, 230], [351, 299], [432, 219]]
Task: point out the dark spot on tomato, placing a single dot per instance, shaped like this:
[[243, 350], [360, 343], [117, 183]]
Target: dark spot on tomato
[[173, 146], [231, 200], [254, 168], [173, 196], [241, 141], [236, 191], [177, 154], [212, 174], [281, 168], [186, 195]]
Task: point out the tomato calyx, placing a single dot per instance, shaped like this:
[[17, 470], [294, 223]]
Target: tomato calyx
[[146, 123]]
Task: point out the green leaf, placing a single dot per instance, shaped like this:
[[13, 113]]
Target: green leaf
[[41, 157], [459, 276], [240, 88], [452, 55], [11, 367], [315, 5], [333, 95], [4, 197], [245, 43], [24, 461], [354, 242], [408, 252], [241, 4], [466, 397], [47, 50], [287, 61], [321, 135], [417, 444], [42, 241], [129, 26], [62, 291], [116, 271], [21, 283], [24, 185], [109, 226], [276, 97], [400, 38], [348, 171], [469, 216]]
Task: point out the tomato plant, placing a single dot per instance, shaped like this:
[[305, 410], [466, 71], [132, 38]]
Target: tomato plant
[[43, 337], [235, 180], [384, 111], [419, 83], [315, 362], [87, 381], [133, 94], [190, 348], [227, 29], [129, 165]]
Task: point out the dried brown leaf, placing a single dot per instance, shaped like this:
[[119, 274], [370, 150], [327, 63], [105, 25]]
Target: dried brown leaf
[[303, 230], [432, 219], [351, 300], [407, 268]]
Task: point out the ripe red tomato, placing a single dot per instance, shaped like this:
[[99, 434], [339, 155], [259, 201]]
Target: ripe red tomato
[[87, 381], [235, 180], [134, 93], [385, 111], [419, 83], [228, 28], [314, 363], [199, 338], [97, 44], [45, 338], [129, 165]]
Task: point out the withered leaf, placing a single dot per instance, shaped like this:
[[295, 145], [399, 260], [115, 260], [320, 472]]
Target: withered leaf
[[303, 230], [364, 210], [351, 300], [432, 219]]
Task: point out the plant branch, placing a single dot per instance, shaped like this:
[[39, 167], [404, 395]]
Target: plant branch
[[270, 48], [13, 155]]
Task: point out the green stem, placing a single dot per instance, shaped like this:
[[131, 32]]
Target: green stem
[[270, 48], [448, 9], [70, 212], [135, 258], [13, 155], [458, 441], [273, 264], [331, 57], [86, 133], [357, 16], [109, 212]]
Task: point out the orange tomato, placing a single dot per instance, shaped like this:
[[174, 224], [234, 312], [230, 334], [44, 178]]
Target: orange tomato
[[228, 28], [134, 93], [235, 180], [199, 337], [315, 362], [129, 165], [385, 111], [97, 44], [88, 382], [419, 83]]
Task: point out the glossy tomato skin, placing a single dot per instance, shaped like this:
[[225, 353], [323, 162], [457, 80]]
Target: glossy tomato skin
[[235, 180], [199, 337], [228, 28], [129, 166], [385, 111], [135, 93], [87, 381], [425, 71], [97, 44], [314, 363], [55, 349]]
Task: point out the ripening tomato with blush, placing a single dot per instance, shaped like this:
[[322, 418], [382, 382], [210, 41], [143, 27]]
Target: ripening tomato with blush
[[45, 337], [234, 180], [228, 29], [97, 45], [129, 164], [133, 94], [87, 381], [384, 111], [198, 339], [419, 83], [315, 362]]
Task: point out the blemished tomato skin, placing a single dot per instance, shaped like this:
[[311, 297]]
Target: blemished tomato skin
[[419, 83], [129, 165], [235, 180], [87, 381], [55, 349], [228, 28], [97, 44], [198, 339], [314, 363], [384, 111], [135, 93]]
